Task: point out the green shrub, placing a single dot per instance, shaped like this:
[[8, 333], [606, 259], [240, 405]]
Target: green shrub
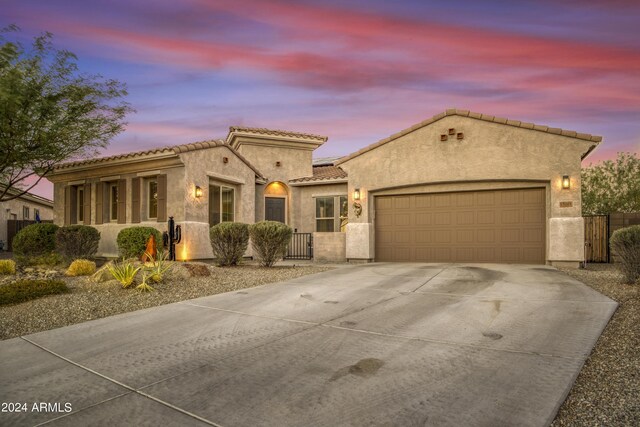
[[132, 241], [270, 240], [25, 290], [81, 267], [229, 241], [7, 266], [36, 244], [626, 245], [77, 241], [124, 272]]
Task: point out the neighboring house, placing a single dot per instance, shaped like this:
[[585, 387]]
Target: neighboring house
[[459, 187], [23, 208]]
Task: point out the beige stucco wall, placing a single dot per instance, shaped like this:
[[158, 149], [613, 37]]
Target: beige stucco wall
[[329, 247], [15, 207], [183, 173], [305, 203], [491, 156], [201, 168]]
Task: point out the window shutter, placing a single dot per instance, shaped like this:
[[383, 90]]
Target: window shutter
[[162, 198], [122, 201], [135, 200], [67, 205], [87, 204], [99, 202]]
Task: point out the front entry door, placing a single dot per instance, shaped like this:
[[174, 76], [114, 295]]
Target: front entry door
[[274, 209]]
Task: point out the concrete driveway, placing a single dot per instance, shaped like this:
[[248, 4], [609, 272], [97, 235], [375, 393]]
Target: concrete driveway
[[378, 344]]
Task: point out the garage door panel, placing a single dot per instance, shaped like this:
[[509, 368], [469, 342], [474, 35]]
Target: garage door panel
[[424, 218], [402, 202], [442, 218], [465, 218], [480, 226], [402, 219]]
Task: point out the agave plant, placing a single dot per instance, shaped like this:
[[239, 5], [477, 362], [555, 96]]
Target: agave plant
[[144, 287], [158, 267], [124, 272]]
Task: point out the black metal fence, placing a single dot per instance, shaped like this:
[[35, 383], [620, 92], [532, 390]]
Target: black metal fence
[[300, 247]]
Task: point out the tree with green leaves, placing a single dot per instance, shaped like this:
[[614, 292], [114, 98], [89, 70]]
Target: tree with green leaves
[[612, 186], [50, 112]]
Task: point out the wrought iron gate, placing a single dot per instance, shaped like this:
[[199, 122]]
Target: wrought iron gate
[[300, 246]]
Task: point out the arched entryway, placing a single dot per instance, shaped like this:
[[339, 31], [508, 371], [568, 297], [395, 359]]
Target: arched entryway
[[275, 202]]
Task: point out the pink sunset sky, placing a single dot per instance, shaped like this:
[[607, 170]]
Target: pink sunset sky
[[356, 71]]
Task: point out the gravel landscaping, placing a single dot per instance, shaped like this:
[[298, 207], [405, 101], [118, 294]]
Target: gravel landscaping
[[607, 391], [88, 300]]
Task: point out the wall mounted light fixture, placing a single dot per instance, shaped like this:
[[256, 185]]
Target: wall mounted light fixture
[[566, 182], [198, 192], [356, 194]]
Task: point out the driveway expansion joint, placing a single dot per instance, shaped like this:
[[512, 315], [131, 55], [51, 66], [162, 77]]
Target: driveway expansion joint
[[125, 386]]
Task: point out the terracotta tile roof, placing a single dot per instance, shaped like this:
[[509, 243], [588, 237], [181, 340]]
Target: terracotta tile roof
[[323, 173], [277, 132], [478, 116], [176, 149], [324, 161]]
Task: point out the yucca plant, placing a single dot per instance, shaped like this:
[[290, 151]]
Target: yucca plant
[[158, 267], [124, 272], [144, 287]]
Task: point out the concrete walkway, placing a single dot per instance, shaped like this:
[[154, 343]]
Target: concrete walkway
[[378, 344]]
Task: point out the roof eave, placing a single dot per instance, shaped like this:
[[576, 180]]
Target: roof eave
[[318, 182]]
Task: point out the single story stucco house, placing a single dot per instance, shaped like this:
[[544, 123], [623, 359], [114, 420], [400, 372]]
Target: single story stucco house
[[458, 187]]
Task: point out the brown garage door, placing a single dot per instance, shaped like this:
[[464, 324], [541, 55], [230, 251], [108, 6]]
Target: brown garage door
[[506, 226]]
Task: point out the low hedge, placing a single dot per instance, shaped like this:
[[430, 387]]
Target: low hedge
[[132, 241], [25, 290], [270, 240], [35, 244], [229, 241], [77, 241], [625, 243]]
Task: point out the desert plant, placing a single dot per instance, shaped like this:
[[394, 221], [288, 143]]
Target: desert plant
[[124, 272], [132, 241], [77, 241], [81, 267], [625, 243], [25, 290], [7, 266], [158, 267], [270, 240], [229, 241], [35, 244], [144, 286]]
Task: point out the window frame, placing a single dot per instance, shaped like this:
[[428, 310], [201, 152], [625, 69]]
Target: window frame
[[79, 205], [220, 212], [113, 209], [151, 199], [36, 213], [25, 212], [340, 221]]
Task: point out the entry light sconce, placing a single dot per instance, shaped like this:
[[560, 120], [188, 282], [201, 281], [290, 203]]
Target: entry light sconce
[[566, 182], [356, 194], [198, 192]]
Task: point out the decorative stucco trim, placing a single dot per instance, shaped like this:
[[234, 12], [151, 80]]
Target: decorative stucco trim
[[225, 178], [274, 132], [478, 116], [319, 182]]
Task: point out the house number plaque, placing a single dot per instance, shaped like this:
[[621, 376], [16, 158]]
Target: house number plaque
[[566, 204]]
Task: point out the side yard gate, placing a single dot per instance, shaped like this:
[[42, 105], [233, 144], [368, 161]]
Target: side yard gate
[[300, 247], [598, 230]]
